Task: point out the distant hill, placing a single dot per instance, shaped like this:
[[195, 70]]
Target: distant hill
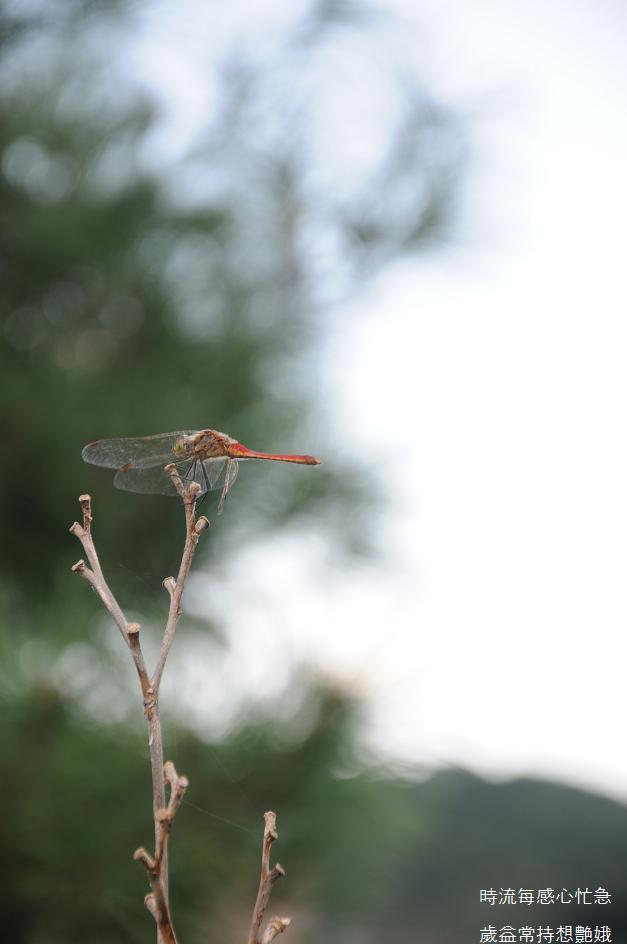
[[468, 834]]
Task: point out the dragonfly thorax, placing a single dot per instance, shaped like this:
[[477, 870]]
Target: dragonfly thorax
[[206, 444]]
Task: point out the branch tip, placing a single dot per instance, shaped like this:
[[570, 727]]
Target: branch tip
[[202, 524], [173, 472], [277, 872], [85, 501], [133, 629], [169, 584], [270, 831], [274, 928], [140, 855], [151, 905]]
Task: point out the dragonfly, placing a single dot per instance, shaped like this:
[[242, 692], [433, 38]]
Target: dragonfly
[[205, 456]]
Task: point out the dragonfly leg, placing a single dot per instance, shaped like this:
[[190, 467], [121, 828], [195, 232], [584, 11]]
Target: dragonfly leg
[[197, 473]]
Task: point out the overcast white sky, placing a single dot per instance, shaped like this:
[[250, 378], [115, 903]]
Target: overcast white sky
[[493, 636]]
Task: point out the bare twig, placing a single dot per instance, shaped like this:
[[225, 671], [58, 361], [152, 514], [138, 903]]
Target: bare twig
[[267, 879], [157, 900], [163, 814], [95, 577], [175, 588]]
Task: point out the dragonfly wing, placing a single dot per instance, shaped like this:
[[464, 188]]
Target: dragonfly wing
[[156, 481], [230, 475], [213, 469], [149, 481], [143, 452]]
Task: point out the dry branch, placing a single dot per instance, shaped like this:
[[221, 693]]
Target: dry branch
[[157, 900], [156, 866], [175, 588], [267, 879], [95, 577]]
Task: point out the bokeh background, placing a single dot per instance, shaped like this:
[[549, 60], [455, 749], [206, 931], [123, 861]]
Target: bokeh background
[[392, 237]]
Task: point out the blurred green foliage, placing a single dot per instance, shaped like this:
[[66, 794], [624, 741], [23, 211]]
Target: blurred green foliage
[[126, 310], [368, 857]]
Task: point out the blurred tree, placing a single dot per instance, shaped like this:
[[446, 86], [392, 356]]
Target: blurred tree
[[138, 300]]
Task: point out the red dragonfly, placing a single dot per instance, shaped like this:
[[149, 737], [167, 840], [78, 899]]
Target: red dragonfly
[[206, 456]]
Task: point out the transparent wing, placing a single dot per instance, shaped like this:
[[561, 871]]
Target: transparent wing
[[213, 469], [143, 452], [155, 481], [230, 475], [149, 481]]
